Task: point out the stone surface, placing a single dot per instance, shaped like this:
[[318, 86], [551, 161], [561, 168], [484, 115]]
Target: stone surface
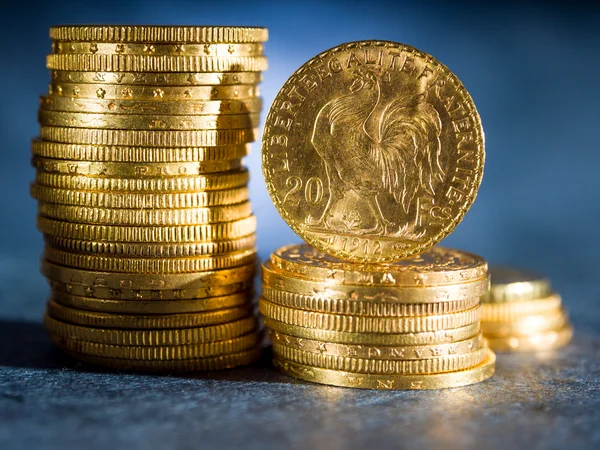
[[535, 401]]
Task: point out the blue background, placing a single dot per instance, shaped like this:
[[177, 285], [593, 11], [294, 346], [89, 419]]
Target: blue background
[[531, 69]]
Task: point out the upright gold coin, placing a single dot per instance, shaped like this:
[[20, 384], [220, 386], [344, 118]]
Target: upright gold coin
[[151, 338], [147, 138], [513, 285], [142, 321], [139, 281], [367, 324], [137, 155], [382, 352], [158, 34], [389, 382], [222, 309], [157, 79], [380, 294], [119, 48], [147, 122], [151, 63], [373, 151], [340, 337], [146, 107], [153, 93], [441, 364], [150, 265], [165, 353], [437, 266], [173, 234]]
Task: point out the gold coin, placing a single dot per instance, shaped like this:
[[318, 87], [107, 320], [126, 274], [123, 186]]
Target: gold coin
[[214, 297], [137, 155], [442, 364], [380, 352], [148, 138], [367, 324], [146, 217], [223, 309], [175, 234], [511, 311], [526, 326], [119, 48], [147, 122], [154, 93], [365, 308], [140, 170], [139, 281], [140, 321], [165, 353], [158, 34], [379, 294], [157, 79], [389, 382], [150, 265], [150, 63], [373, 151], [153, 250], [537, 341], [137, 107], [204, 182], [139, 200], [437, 266], [513, 285], [424, 338], [151, 338]]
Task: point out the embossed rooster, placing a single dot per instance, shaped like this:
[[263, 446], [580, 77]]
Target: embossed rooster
[[375, 146]]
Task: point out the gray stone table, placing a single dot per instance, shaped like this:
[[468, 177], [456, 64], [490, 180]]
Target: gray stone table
[[47, 401]]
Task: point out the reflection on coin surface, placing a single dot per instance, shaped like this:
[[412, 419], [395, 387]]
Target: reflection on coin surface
[[373, 151]]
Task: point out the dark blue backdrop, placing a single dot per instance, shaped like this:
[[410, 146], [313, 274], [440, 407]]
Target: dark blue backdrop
[[531, 69]]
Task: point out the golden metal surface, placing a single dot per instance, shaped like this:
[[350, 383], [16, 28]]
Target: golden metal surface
[[149, 63], [388, 382], [151, 338], [154, 93], [380, 352], [434, 267], [526, 325], [154, 33], [144, 155], [174, 234], [373, 151], [534, 341], [510, 311], [120, 48], [367, 324], [513, 285]]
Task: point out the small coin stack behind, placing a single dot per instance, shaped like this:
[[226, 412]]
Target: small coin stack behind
[[414, 324], [142, 194], [522, 313]]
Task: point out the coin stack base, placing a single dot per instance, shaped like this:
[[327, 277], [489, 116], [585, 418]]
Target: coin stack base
[[143, 198], [414, 324], [521, 313]]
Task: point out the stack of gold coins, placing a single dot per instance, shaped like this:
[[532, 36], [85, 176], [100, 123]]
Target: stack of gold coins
[[409, 325], [143, 198], [522, 313], [372, 153]]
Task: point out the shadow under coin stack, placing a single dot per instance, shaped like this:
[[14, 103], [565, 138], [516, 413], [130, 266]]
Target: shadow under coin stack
[[414, 324], [143, 198], [522, 313]]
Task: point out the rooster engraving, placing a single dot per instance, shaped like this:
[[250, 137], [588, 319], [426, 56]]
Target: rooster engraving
[[378, 147]]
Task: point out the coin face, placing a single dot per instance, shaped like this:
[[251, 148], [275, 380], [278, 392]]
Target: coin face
[[373, 151]]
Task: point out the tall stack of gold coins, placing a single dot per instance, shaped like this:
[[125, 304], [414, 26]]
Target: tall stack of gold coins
[[143, 198], [409, 325], [373, 152], [522, 313]]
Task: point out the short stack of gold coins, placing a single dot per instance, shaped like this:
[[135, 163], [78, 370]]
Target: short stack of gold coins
[[414, 324], [522, 313], [142, 195]]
